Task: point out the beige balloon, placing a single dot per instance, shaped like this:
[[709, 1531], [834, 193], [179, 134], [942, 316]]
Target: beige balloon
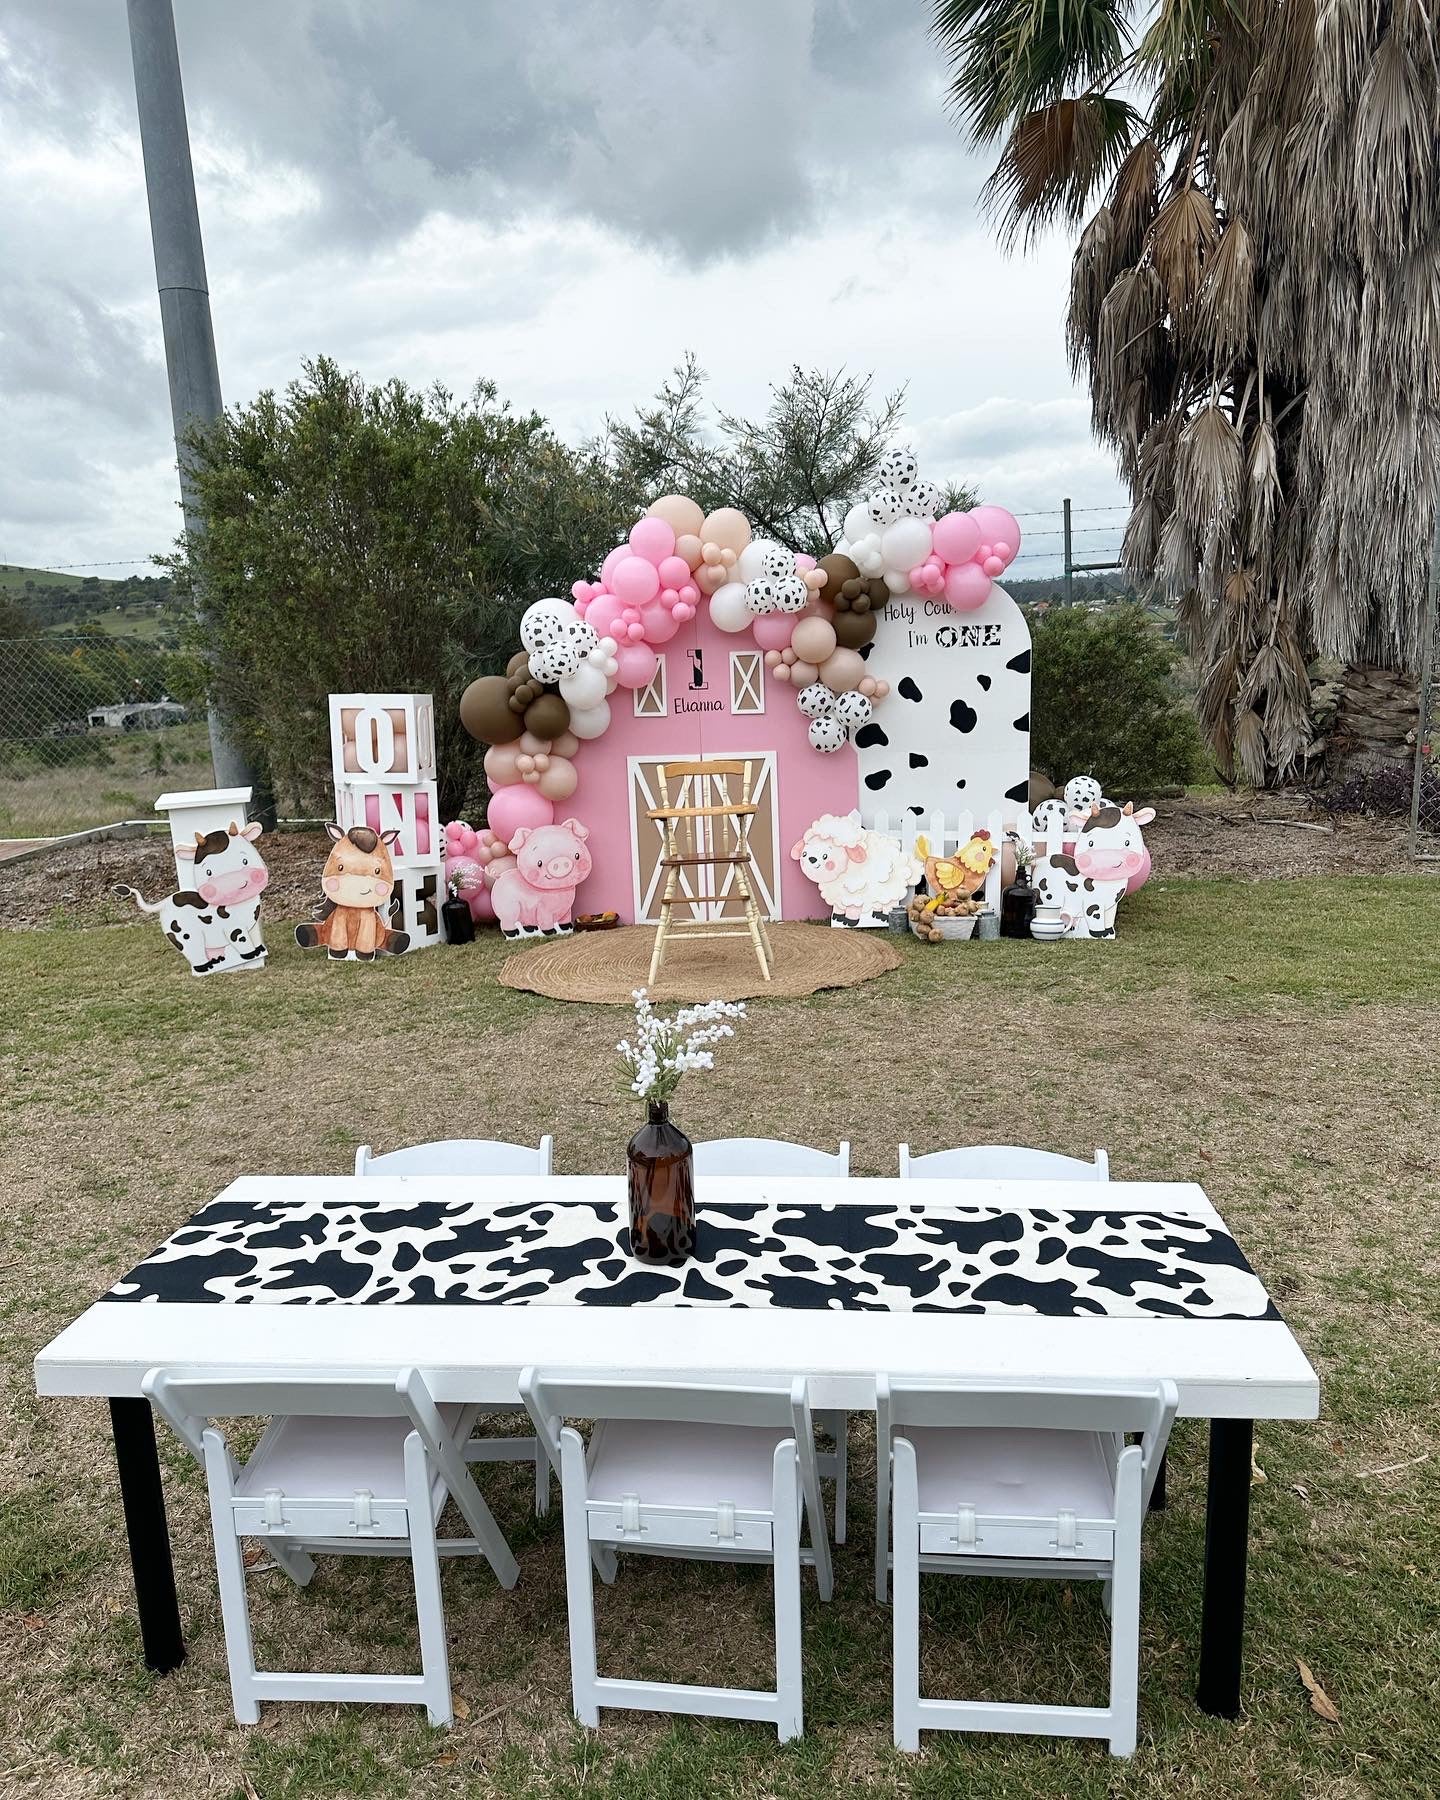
[[690, 547], [565, 745], [813, 640], [843, 671], [560, 780], [728, 528], [682, 515]]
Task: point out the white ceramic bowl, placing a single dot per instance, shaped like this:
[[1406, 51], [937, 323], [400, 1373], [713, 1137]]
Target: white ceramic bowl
[[1047, 933]]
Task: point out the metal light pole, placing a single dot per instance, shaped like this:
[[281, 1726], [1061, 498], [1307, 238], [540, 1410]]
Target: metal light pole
[[180, 276]]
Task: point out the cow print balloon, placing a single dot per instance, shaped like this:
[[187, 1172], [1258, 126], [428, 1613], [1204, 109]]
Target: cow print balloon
[[545, 622], [827, 735], [1082, 792], [1048, 818], [923, 499], [760, 596], [853, 710], [816, 701], [791, 594], [777, 563], [888, 505], [898, 469], [563, 654]]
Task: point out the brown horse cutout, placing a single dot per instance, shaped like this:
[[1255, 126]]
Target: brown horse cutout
[[354, 916]]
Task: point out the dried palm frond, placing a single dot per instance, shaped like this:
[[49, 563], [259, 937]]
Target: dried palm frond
[[1177, 568], [1180, 238], [1208, 472], [1227, 296], [1263, 471], [1092, 270], [1135, 197], [1394, 153], [1054, 160], [1248, 736]]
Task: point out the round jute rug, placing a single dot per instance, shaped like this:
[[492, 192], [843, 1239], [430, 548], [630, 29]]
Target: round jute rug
[[605, 967]]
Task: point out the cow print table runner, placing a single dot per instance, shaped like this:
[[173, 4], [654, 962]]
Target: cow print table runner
[[880, 1258]]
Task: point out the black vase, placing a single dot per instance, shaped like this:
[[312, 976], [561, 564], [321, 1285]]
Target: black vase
[[662, 1190], [1017, 909], [459, 926]]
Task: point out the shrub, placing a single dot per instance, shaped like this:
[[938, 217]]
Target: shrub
[[1386, 791], [1105, 702]]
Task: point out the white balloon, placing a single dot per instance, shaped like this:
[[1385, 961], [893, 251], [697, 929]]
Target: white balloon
[[544, 622], [728, 608], [897, 582], [603, 657], [859, 522], [905, 543], [591, 721], [583, 687], [755, 559], [827, 735], [866, 554]]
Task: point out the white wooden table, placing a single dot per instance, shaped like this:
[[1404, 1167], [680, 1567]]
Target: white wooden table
[[1229, 1370]]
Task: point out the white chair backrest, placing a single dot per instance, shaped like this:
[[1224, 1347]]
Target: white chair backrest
[[1147, 1407], [555, 1394], [459, 1156], [189, 1403], [767, 1156], [1001, 1162]]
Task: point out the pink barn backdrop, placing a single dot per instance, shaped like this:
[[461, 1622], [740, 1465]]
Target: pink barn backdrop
[[703, 704]]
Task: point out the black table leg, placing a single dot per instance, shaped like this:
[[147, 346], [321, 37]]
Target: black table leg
[[1157, 1493], [1227, 1534], [144, 1502]]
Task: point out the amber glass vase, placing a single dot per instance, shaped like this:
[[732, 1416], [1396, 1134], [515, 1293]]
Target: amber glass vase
[[662, 1190]]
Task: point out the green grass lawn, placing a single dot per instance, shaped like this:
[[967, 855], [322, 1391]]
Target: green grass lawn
[[1275, 1040]]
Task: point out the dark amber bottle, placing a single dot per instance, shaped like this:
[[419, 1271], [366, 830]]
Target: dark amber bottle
[[662, 1190]]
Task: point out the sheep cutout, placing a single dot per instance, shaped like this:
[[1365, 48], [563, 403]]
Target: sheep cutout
[[862, 875]]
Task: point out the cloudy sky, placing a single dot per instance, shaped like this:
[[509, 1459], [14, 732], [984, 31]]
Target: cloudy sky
[[561, 195]]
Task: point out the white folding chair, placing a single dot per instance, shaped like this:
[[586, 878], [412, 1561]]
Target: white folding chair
[[477, 1156], [679, 1469], [998, 1480], [1001, 1162], [349, 1466], [777, 1156], [459, 1156]]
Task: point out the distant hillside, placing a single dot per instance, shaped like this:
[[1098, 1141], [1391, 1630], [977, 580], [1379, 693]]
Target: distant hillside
[[50, 600]]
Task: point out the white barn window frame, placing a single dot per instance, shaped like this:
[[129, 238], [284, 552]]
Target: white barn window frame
[[650, 701], [747, 682]]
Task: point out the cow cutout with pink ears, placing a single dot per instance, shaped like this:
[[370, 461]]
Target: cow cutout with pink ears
[[535, 895], [1088, 882], [216, 924]]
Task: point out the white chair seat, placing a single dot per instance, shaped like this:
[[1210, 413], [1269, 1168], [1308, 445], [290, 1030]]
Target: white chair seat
[[681, 1464], [331, 1457], [1012, 1473]]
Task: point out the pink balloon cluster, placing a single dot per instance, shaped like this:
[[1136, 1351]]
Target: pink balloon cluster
[[647, 590], [473, 861], [968, 550]]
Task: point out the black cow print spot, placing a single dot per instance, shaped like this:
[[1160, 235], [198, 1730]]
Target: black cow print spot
[[984, 682], [1020, 791], [877, 781], [919, 811], [962, 716], [908, 690], [961, 782], [870, 735], [919, 762], [1020, 664], [1023, 722]]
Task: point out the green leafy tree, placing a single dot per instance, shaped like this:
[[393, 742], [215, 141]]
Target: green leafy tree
[[1106, 702], [377, 539], [1255, 301], [794, 473]]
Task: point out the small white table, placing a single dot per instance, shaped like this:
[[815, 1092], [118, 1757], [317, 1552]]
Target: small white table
[[1136, 1278]]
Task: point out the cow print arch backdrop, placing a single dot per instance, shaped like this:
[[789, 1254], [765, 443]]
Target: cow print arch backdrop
[[892, 677]]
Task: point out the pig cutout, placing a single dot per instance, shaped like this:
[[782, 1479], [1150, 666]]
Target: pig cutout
[[534, 898]]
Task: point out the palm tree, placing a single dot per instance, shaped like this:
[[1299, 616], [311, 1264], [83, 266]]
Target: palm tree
[[1255, 302]]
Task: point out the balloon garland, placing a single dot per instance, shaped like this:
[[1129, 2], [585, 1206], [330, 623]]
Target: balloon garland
[[811, 620]]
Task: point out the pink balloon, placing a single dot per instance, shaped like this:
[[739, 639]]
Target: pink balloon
[[993, 566], [803, 562], [966, 586], [482, 906], [674, 571], [612, 561], [653, 539], [998, 528], [514, 809], [659, 621], [637, 665], [634, 579], [605, 614], [956, 537], [773, 630]]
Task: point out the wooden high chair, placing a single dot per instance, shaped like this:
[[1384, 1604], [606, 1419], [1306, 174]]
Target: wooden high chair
[[713, 837]]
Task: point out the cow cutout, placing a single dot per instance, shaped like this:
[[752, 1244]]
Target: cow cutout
[[1087, 883], [216, 924]]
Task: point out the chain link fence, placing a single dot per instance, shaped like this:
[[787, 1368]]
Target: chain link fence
[[90, 734], [1425, 789]]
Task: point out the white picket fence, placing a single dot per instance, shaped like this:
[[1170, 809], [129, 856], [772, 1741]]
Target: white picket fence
[[946, 832]]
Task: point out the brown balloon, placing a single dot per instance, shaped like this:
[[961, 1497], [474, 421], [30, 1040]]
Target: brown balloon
[[838, 570], [547, 716], [858, 594], [485, 711], [853, 630], [519, 663]]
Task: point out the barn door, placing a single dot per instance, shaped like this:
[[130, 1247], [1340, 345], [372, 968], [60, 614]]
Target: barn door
[[647, 840]]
